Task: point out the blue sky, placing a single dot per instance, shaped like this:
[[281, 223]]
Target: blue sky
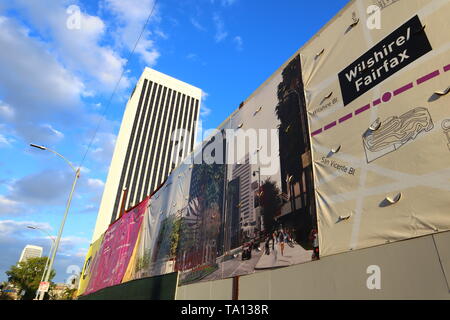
[[55, 83]]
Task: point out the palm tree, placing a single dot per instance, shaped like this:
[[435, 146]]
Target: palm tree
[[291, 134]]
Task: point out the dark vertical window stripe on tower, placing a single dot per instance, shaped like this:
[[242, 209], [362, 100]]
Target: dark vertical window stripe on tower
[[153, 143], [172, 139], [134, 169], [186, 115], [170, 119], [147, 160], [157, 150], [190, 126], [153, 109], [170, 142], [177, 139], [127, 155], [140, 144], [194, 125]]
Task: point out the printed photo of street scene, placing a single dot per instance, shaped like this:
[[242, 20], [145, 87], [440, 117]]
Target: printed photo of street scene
[[241, 219]]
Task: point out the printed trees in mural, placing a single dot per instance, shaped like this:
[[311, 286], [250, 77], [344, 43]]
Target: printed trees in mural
[[201, 229], [291, 137], [270, 204], [175, 237], [210, 183]]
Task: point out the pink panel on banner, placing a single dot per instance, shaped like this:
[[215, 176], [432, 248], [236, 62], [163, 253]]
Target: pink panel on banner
[[116, 249]]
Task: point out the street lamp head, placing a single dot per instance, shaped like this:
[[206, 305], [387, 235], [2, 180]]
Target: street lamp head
[[37, 146], [31, 227]]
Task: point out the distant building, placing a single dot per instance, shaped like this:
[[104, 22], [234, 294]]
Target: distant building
[[147, 148], [58, 292], [30, 251], [243, 173]]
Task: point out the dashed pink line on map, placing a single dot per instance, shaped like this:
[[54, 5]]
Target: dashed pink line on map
[[385, 98]]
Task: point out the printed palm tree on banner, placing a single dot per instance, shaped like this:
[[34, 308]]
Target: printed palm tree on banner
[[290, 132]]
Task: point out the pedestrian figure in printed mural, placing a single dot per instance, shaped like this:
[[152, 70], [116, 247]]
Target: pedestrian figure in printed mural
[[267, 245], [272, 237], [281, 241], [315, 242]]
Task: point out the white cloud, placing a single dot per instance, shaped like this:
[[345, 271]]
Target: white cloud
[[12, 227], [8, 206], [85, 170], [228, 2], [192, 56], [82, 252], [197, 25], [132, 15], [161, 34], [5, 141], [239, 43], [39, 133], [48, 187], [6, 112], [104, 145], [14, 235], [96, 183], [204, 112], [225, 3], [44, 84], [81, 50], [221, 33]]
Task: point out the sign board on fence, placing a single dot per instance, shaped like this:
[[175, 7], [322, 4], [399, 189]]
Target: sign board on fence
[[43, 286]]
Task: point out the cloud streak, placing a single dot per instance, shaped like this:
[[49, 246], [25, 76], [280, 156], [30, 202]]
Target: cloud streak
[[221, 33]]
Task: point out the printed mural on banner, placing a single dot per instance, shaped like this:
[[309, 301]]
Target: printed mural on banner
[[242, 201], [255, 211], [91, 261], [380, 151], [116, 249]]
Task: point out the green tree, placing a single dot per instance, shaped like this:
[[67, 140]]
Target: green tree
[[175, 237], [27, 276], [270, 203], [69, 293]]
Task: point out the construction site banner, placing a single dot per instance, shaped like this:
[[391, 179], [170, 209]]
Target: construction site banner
[[243, 200], [376, 83], [91, 260], [156, 248], [116, 249], [252, 213]]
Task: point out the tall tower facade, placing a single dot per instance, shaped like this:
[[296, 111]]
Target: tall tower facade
[[158, 131], [243, 173], [30, 251]]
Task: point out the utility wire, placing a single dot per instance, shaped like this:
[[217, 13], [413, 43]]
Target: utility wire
[[117, 85]]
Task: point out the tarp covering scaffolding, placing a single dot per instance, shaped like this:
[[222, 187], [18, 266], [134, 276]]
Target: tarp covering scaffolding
[[345, 147]]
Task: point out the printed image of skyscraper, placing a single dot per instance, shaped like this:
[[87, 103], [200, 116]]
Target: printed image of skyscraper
[[243, 173]]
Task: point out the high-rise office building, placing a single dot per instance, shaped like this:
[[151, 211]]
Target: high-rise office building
[[157, 132], [243, 172], [30, 251]]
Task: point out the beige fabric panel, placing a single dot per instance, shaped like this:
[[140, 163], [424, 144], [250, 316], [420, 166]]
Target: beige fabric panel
[[409, 153], [212, 290], [442, 241], [408, 269]]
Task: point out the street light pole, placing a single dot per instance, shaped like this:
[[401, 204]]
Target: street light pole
[[48, 258], [61, 228]]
